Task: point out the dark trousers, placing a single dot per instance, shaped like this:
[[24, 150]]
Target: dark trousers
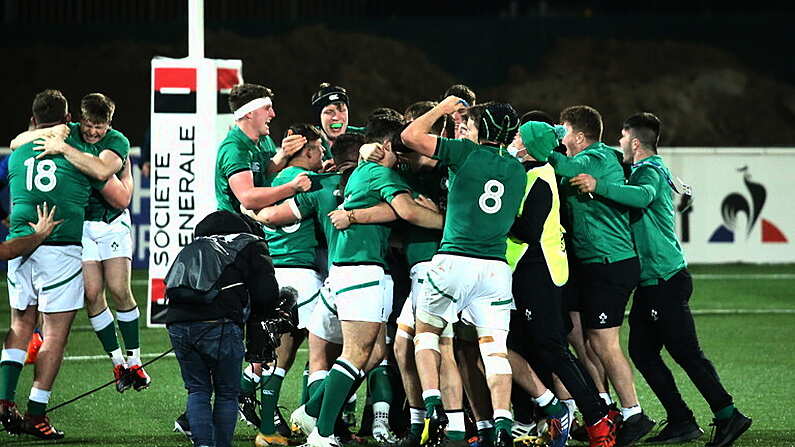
[[660, 317], [210, 356], [538, 332]]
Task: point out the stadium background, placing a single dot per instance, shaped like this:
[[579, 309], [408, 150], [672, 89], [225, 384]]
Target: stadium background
[[720, 77]]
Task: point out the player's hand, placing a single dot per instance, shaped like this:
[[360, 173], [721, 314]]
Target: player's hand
[[584, 182], [301, 183], [292, 143], [427, 203], [247, 212], [329, 166], [372, 152], [340, 219], [452, 104], [50, 146], [59, 132], [46, 221]]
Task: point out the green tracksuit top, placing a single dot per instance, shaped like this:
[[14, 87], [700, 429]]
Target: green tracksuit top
[[652, 218], [600, 227]]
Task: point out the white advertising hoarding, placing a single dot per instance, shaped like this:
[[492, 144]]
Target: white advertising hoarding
[[743, 210]]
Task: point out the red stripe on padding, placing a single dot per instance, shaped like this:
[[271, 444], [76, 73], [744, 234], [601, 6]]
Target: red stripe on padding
[[175, 78], [771, 233], [228, 78], [158, 289]]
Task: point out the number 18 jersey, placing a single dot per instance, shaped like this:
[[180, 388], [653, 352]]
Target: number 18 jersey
[[52, 179], [486, 187]]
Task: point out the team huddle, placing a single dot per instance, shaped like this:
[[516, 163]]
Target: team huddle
[[456, 247]]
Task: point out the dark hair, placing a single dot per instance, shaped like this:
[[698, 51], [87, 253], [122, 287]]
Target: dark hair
[[382, 125], [463, 92], [420, 108], [242, 94], [346, 148], [308, 131], [537, 115], [49, 106], [226, 222], [583, 119], [645, 127], [496, 122], [97, 108]]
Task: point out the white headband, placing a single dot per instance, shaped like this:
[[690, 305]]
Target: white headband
[[252, 105]]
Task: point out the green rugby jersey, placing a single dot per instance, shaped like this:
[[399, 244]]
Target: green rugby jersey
[[486, 187], [54, 180], [238, 153], [318, 202], [652, 218], [292, 245], [600, 227], [368, 185], [98, 208], [420, 244]]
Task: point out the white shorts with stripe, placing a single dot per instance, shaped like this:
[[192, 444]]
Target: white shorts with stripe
[[103, 241], [50, 278], [359, 293], [307, 284], [324, 321], [405, 320], [477, 289]]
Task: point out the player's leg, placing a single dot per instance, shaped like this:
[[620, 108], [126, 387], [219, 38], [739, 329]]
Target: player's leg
[[11, 362], [473, 379], [608, 287]]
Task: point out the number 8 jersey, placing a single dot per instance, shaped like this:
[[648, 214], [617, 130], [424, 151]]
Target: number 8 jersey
[[54, 180], [486, 187]]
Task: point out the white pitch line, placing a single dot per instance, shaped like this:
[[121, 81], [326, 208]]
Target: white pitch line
[[82, 358]]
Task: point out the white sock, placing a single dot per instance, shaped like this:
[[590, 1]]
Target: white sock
[[484, 424], [417, 415], [134, 357], [503, 414], [456, 420], [571, 404], [13, 356], [40, 396], [606, 397], [545, 399], [381, 412], [626, 413], [249, 374]]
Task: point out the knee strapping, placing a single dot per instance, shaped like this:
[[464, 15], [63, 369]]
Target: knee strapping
[[426, 340], [494, 351]]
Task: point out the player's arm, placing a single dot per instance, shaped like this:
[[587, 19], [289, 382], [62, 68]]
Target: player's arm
[[416, 135], [100, 167], [60, 132], [381, 213], [24, 245], [569, 166], [637, 194], [258, 197], [290, 145], [411, 211], [285, 213], [118, 190]]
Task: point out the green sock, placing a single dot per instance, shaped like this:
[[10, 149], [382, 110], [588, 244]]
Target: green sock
[[130, 334], [339, 382], [455, 435], [379, 384], [503, 424], [432, 403], [488, 434], [269, 398], [725, 413], [247, 385], [107, 336], [416, 429], [316, 392], [304, 386], [9, 377], [36, 408], [555, 409]]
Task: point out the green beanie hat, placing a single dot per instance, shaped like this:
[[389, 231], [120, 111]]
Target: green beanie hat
[[540, 138]]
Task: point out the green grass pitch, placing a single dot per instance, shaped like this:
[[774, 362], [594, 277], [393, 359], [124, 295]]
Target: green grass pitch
[[752, 351]]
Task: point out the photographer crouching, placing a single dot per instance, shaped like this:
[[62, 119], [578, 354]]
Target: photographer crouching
[[219, 283]]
